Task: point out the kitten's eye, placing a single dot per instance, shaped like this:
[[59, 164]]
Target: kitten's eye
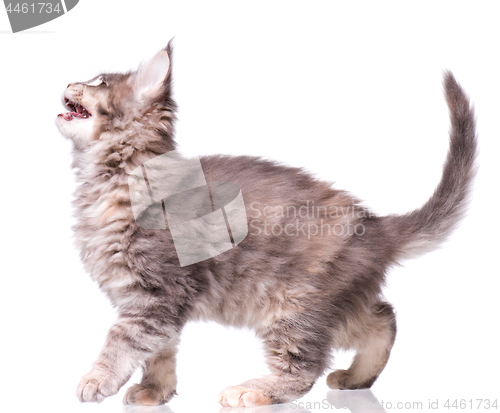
[[98, 81]]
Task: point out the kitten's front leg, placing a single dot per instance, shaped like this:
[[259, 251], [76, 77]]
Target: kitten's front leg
[[130, 342]]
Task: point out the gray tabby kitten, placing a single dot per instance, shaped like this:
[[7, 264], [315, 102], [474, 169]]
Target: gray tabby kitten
[[303, 293]]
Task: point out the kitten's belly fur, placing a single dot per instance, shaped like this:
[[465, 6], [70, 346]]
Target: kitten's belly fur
[[254, 306]]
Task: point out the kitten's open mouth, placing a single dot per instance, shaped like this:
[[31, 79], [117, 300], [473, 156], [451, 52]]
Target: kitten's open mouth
[[76, 111]]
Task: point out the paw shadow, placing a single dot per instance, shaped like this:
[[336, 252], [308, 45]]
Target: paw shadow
[[274, 408], [147, 409], [355, 401]]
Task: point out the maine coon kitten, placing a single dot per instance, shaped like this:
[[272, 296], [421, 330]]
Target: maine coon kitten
[[302, 293]]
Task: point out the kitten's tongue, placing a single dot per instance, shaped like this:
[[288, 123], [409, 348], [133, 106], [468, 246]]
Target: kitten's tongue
[[70, 115]]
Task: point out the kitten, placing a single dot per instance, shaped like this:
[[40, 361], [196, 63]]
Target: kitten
[[307, 277]]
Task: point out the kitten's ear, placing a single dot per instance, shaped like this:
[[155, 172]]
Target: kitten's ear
[[152, 79]]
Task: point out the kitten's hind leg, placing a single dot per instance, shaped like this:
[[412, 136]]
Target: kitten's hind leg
[[297, 354], [158, 380], [372, 335]]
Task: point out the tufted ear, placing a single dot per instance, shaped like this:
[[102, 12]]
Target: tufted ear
[[152, 79]]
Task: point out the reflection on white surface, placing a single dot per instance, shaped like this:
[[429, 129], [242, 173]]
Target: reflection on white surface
[[355, 401], [275, 408], [147, 409]]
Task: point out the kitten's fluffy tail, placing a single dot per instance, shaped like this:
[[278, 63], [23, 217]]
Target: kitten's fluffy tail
[[424, 229]]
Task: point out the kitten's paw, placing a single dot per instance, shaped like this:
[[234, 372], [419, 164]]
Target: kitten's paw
[[343, 380], [239, 396], [338, 379], [96, 386], [144, 396]]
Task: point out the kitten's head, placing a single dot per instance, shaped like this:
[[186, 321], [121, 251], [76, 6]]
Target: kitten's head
[[113, 102]]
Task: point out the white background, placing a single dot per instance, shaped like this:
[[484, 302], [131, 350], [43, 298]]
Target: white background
[[349, 90]]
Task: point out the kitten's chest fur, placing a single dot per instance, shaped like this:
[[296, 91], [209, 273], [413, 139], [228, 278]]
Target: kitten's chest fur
[[104, 221]]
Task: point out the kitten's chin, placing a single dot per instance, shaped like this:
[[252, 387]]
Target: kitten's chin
[[79, 131]]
